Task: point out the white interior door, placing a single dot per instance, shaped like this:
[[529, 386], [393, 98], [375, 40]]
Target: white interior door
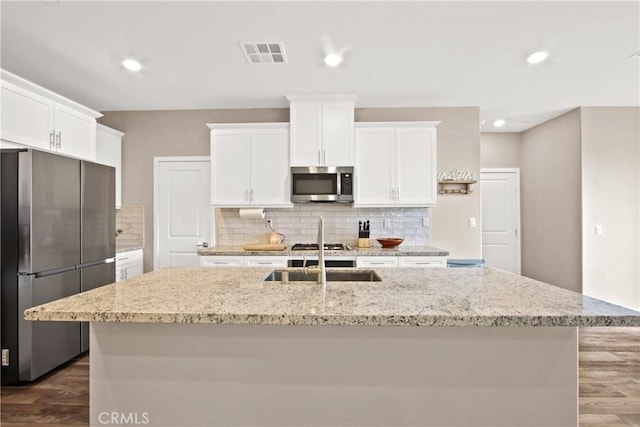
[[182, 211], [501, 218]]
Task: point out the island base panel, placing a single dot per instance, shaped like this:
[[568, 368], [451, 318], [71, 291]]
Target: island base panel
[[274, 375]]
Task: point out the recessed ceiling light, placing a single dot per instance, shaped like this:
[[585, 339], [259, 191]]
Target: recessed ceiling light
[[132, 65], [537, 57], [499, 123], [333, 59]]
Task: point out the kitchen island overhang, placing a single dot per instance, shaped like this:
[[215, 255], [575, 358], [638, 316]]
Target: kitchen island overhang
[[340, 357]]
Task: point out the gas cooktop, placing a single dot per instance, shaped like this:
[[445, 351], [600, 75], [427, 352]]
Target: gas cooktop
[[314, 247]]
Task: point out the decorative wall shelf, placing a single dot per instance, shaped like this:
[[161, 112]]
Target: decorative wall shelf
[[456, 186]]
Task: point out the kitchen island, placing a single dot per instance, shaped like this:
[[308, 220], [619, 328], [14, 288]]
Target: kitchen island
[[457, 347]]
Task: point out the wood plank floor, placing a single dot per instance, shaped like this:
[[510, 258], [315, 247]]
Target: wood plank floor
[[609, 387]]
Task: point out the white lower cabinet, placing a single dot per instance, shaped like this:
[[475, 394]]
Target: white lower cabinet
[[221, 261], [265, 261], [422, 262], [243, 261], [402, 261], [376, 261], [129, 264]]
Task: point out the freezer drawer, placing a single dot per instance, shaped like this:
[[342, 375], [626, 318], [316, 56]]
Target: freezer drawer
[[46, 345], [92, 278]]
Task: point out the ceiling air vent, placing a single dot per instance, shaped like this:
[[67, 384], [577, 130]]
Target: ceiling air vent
[[264, 52]]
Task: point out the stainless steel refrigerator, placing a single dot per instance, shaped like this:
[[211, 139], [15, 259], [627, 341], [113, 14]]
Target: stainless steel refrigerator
[[57, 239]]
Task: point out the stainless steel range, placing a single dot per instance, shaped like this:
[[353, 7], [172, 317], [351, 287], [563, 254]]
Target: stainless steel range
[[315, 247], [343, 261]]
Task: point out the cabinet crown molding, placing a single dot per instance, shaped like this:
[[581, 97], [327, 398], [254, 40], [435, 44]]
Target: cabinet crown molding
[[322, 98], [267, 125], [421, 124], [25, 84]]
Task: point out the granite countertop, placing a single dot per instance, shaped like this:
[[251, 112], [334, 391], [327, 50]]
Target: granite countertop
[[405, 297], [373, 251], [133, 248]]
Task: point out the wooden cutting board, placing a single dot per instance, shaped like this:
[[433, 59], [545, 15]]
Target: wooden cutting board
[[265, 247]]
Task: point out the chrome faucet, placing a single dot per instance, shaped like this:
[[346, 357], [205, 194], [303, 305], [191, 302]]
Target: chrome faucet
[[320, 269], [322, 272]]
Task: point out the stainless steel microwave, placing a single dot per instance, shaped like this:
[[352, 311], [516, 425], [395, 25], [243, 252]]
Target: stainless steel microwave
[[322, 184]]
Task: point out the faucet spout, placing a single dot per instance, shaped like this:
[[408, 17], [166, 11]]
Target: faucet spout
[[322, 270]]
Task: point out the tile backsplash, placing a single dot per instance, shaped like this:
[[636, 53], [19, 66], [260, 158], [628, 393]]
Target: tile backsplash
[[130, 219], [300, 225]]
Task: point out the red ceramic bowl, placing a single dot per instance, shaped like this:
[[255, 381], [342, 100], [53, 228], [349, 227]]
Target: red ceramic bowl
[[390, 242]]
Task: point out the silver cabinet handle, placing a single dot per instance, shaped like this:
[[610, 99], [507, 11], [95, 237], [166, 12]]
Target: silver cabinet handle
[[324, 157], [59, 140], [246, 195], [320, 156], [52, 140], [398, 194], [126, 272], [251, 195]]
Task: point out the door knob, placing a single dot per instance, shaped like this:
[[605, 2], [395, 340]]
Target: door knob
[[203, 245]]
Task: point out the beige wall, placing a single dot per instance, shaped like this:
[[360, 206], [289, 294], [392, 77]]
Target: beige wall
[[611, 198], [184, 133], [458, 148], [167, 133], [551, 202], [500, 150]]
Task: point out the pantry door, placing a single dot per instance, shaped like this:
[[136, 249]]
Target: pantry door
[[183, 215], [501, 218]]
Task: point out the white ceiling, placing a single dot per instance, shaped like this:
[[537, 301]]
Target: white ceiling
[[402, 54]]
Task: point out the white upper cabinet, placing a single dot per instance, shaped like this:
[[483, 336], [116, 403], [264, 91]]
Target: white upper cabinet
[[27, 118], [36, 117], [250, 165], [109, 152], [322, 130], [75, 133], [396, 164]]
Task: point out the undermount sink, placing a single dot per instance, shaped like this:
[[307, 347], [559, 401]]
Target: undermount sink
[[286, 276]]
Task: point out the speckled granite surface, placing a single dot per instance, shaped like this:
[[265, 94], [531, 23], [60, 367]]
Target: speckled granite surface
[[129, 249], [405, 297], [374, 251]]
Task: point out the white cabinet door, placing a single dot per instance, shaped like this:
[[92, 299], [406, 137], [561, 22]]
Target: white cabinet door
[[322, 130], [422, 261], [266, 261], [337, 135], [396, 164], [306, 134], [375, 166], [415, 167], [75, 133], [109, 152], [26, 118], [230, 167], [377, 261], [270, 182], [221, 261]]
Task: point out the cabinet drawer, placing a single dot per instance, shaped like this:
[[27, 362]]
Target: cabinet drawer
[[422, 262], [265, 261], [221, 261], [377, 261]]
